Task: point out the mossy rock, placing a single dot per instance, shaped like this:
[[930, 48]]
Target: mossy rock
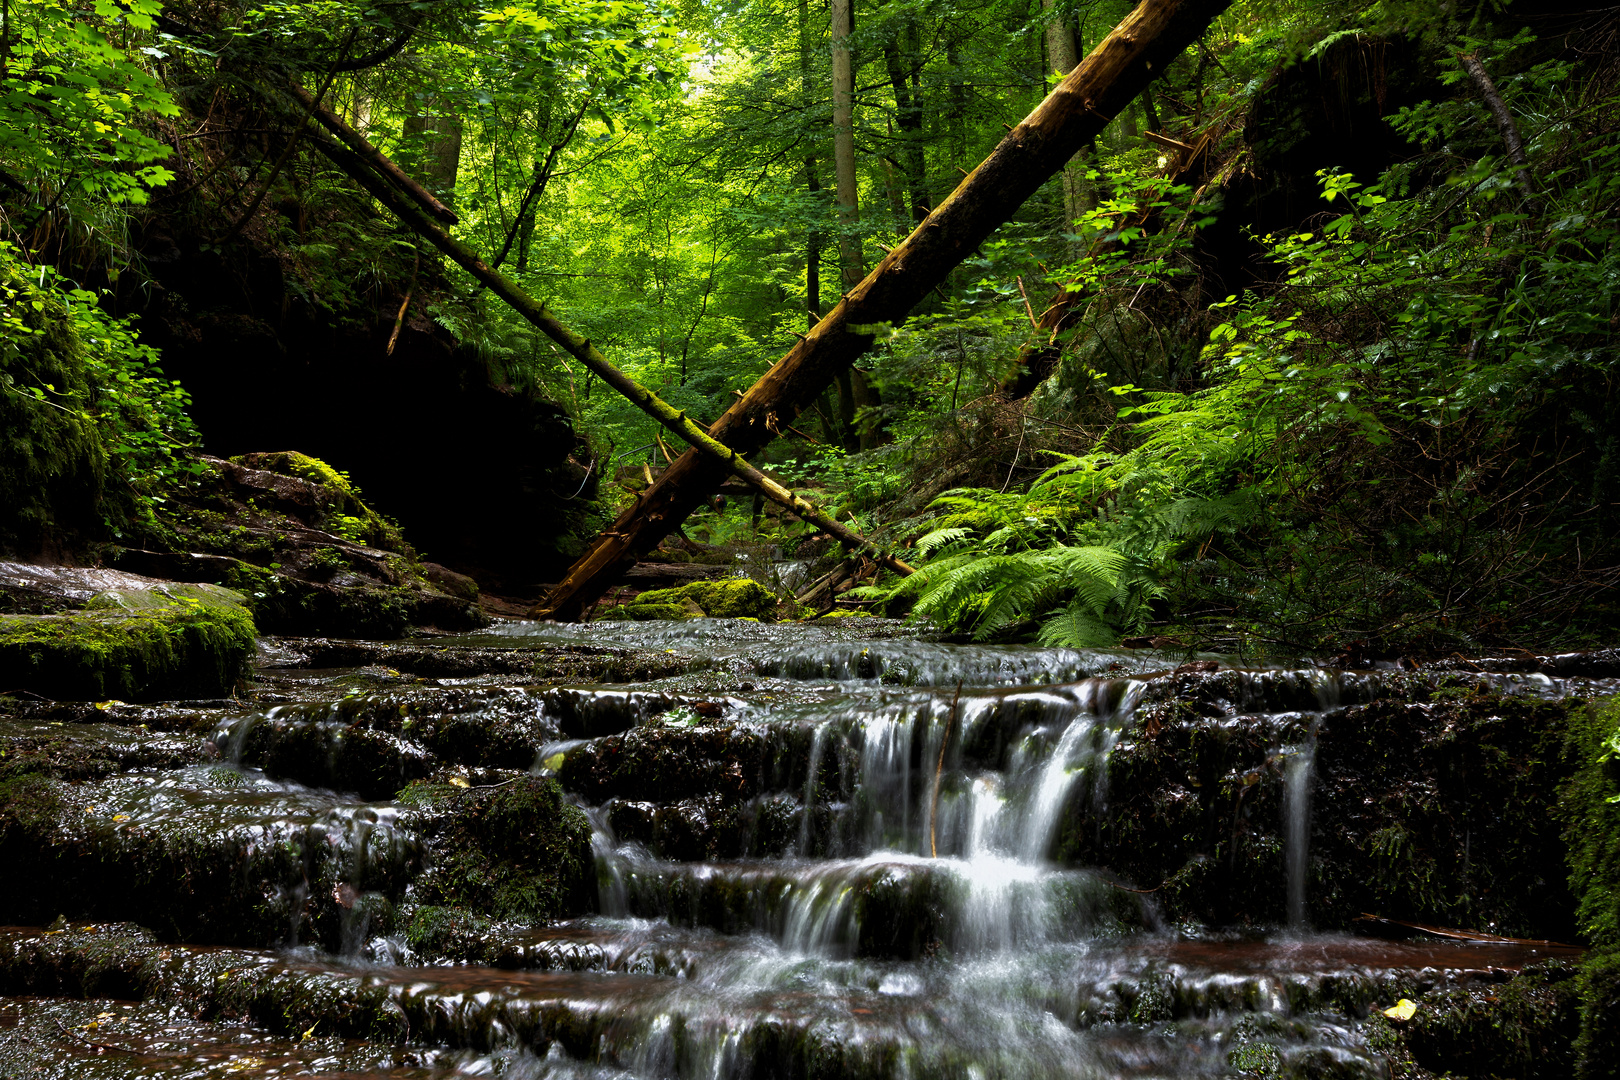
[[350, 517], [448, 933], [729, 598], [847, 613], [649, 612], [1597, 1048], [1522, 1028], [1434, 811], [517, 850], [191, 641]]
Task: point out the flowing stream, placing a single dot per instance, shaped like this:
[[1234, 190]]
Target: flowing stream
[[889, 889]]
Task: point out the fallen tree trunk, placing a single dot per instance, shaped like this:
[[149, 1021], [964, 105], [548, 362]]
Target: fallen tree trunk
[[407, 210], [1113, 75]]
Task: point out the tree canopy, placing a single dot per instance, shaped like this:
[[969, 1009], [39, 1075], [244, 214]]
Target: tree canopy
[[1315, 345]]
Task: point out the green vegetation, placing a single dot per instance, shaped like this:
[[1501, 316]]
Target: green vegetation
[[1591, 813], [1223, 380], [728, 598]]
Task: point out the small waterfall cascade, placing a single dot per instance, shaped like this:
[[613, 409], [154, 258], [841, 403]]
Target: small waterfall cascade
[[815, 854]]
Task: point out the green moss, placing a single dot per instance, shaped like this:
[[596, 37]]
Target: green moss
[[350, 518], [647, 612], [1597, 1049], [31, 802], [847, 613], [1523, 1028], [438, 932], [1434, 811], [168, 597], [1590, 810], [729, 598], [185, 647], [517, 850]]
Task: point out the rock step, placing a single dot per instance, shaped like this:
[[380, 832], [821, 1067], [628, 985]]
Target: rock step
[[885, 905], [203, 853], [782, 1020]]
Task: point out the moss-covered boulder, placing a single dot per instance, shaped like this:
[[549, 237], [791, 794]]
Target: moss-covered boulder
[[292, 534], [345, 513], [204, 853], [134, 645], [1523, 1028], [728, 598], [515, 850]]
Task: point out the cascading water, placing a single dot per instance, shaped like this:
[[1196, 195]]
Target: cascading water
[[835, 858], [1300, 764]]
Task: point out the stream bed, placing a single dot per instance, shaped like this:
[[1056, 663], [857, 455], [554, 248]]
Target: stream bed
[[804, 851]]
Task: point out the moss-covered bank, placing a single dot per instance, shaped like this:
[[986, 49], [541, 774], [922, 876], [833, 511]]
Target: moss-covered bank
[[728, 598], [1590, 810], [186, 642]]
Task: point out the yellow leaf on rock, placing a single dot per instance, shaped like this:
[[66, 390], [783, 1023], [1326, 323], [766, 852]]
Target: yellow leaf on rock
[[1403, 1009]]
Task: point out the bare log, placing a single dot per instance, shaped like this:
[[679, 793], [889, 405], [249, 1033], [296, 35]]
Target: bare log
[[581, 349], [1113, 75]]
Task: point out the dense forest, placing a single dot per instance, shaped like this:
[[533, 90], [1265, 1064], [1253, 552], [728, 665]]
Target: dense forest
[[763, 539], [1312, 348]]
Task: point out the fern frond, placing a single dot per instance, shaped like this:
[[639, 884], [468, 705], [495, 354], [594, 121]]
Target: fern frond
[[941, 537], [1076, 628]]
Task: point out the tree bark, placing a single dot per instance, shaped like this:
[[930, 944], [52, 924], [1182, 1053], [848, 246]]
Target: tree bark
[[812, 253], [843, 121], [812, 181], [438, 151], [1504, 121], [1062, 54], [1081, 105], [908, 117]]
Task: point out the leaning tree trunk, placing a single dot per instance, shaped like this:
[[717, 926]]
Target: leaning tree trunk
[[1077, 110]]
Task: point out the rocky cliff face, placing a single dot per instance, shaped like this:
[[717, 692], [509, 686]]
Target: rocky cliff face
[[478, 471]]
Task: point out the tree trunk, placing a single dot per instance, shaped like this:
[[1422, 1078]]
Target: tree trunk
[[812, 181], [1081, 105], [437, 154], [1062, 54], [812, 254], [1150, 110], [908, 117], [843, 122]]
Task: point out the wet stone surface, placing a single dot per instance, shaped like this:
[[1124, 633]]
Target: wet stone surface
[[723, 849]]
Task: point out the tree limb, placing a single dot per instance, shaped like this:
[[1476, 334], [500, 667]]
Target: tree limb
[[542, 176], [674, 419], [374, 158], [1504, 120]]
